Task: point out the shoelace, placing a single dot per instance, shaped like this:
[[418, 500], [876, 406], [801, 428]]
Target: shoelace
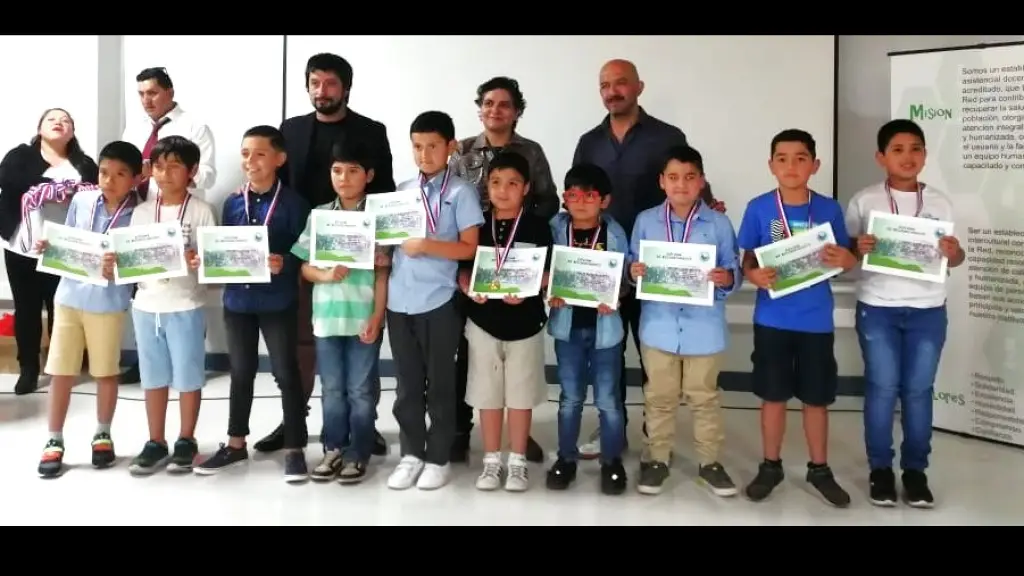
[[406, 464], [492, 469], [518, 471]]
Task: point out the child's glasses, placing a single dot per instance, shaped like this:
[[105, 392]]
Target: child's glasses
[[589, 196]]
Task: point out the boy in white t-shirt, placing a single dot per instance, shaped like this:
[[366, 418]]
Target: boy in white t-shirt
[[901, 322], [170, 325]]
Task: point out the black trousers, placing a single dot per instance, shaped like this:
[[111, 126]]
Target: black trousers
[[463, 411], [423, 347], [280, 333], [32, 291]]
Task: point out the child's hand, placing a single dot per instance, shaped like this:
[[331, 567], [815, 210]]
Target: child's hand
[[41, 246], [950, 247], [604, 309], [479, 299], [372, 329], [837, 257], [276, 262], [190, 254], [414, 247], [718, 206], [195, 261], [637, 270], [866, 244], [721, 277], [336, 274], [108, 263], [381, 259], [763, 278], [513, 300], [556, 302]]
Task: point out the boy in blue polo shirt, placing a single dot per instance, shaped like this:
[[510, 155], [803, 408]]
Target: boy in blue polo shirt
[[683, 345], [794, 334], [423, 323]]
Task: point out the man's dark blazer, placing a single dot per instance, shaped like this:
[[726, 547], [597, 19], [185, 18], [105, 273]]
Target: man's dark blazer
[[298, 139]]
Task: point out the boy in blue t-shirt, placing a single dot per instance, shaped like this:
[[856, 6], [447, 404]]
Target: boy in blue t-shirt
[[794, 334]]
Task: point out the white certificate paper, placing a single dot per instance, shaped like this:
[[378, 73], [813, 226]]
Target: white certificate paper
[[233, 255], [342, 238], [797, 260], [74, 253], [521, 275], [400, 216], [149, 252], [677, 272], [907, 246], [585, 278]]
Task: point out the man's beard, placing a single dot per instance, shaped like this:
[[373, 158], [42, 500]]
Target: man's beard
[[329, 108]]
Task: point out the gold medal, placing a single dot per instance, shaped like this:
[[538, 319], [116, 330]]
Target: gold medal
[[495, 285]]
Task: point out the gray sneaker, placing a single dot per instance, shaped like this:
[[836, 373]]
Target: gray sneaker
[[717, 480], [652, 478]]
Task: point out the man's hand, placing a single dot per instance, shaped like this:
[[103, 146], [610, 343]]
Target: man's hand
[[763, 278], [276, 262], [866, 244], [109, 261], [950, 247], [637, 270], [372, 329], [414, 247], [721, 277], [835, 256]]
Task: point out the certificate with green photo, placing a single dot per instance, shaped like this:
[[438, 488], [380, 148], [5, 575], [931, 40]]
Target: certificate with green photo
[[74, 253], [342, 238], [797, 260], [521, 273], [585, 278], [677, 272], [233, 255], [907, 247], [149, 252]]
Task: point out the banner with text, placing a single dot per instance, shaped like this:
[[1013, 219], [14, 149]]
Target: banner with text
[[970, 103]]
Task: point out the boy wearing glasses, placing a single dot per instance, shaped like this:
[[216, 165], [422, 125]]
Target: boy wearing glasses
[[588, 342]]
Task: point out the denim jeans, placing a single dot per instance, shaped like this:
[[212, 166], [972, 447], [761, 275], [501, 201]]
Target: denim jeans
[[579, 366], [349, 394], [901, 349]]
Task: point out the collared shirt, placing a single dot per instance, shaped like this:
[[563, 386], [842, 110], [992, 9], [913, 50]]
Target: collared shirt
[[283, 229], [424, 283], [689, 330], [632, 165], [474, 155], [87, 297], [185, 125]]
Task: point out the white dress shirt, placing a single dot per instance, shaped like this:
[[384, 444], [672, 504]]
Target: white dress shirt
[[182, 124]]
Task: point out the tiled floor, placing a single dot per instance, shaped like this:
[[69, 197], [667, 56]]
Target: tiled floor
[[975, 483]]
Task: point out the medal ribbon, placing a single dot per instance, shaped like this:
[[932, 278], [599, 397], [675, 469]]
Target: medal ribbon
[[782, 212], [181, 210], [434, 217], [593, 241], [501, 255], [687, 228], [895, 209], [273, 203], [117, 213]]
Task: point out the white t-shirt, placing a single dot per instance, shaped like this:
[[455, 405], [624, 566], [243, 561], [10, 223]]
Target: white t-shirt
[[175, 294], [890, 291], [49, 212]]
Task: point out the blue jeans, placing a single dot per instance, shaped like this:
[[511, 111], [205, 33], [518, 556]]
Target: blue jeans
[[901, 349], [580, 365], [349, 394]]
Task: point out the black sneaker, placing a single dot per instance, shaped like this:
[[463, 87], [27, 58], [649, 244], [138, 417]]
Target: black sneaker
[[28, 382], [131, 376], [915, 490], [769, 476], [717, 480], [272, 442], [534, 453], [51, 465], [328, 467], [103, 455], [882, 487], [225, 457], [561, 475], [613, 478], [460, 449], [352, 473], [295, 468], [184, 456], [380, 445], [153, 457], [652, 478], [821, 477]]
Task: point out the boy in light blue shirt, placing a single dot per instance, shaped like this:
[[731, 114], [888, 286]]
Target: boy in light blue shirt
[[682, 344]]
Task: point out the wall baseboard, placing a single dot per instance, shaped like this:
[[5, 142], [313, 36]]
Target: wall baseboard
[[729, 381]]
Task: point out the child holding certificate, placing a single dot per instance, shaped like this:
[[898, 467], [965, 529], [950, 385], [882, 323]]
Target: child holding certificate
[[348, 322], [88, 317], [170, 324], [588, 341], [682, 344], [901, 322], [268, 309], [794, 334], [506, 336]]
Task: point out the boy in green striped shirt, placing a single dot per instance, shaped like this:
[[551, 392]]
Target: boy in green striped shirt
[[348, 322]]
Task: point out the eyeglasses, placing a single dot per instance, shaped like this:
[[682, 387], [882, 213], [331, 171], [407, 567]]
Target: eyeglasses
[[589, 196]]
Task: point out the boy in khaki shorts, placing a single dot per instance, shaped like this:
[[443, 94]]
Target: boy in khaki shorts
[[89, 317], [506, 336]]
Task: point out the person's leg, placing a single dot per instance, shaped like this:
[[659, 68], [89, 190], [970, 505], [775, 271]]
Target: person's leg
[[26, 290], [156, 371], [360, 359], [280, 333], [573, 377], [661, 404], [463, 410], [443, 329], [700, 390], [605, 364], [773, 382], [103, 340], [63, 364], [486, 392], [186, 340], [817, 381], [923, 341], [522, 370], [331, 366], [881, 345], [406, 332]]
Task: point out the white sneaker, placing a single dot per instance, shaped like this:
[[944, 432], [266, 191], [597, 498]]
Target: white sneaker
[[406, 474], [490, 478], [517, 480], [591, 449], [433, 477]]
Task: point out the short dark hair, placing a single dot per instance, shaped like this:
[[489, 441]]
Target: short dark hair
[[351, 151], [505, 83], [890, 129], [434, 122], [796, 135], [268, 132], [163, 79], [511, 161], [327, 62], [684, 155], [124, 152], [588, 177], [180, 147]]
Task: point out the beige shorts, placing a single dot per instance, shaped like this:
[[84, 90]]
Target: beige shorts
[[74, 332], [505, 374]]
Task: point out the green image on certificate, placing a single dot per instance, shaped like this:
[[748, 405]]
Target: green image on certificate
[[907, 247], [586, 278], [522, 273], [797, 260]]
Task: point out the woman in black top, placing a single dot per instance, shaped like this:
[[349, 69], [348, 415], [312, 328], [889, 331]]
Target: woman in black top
[[53, 155]]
